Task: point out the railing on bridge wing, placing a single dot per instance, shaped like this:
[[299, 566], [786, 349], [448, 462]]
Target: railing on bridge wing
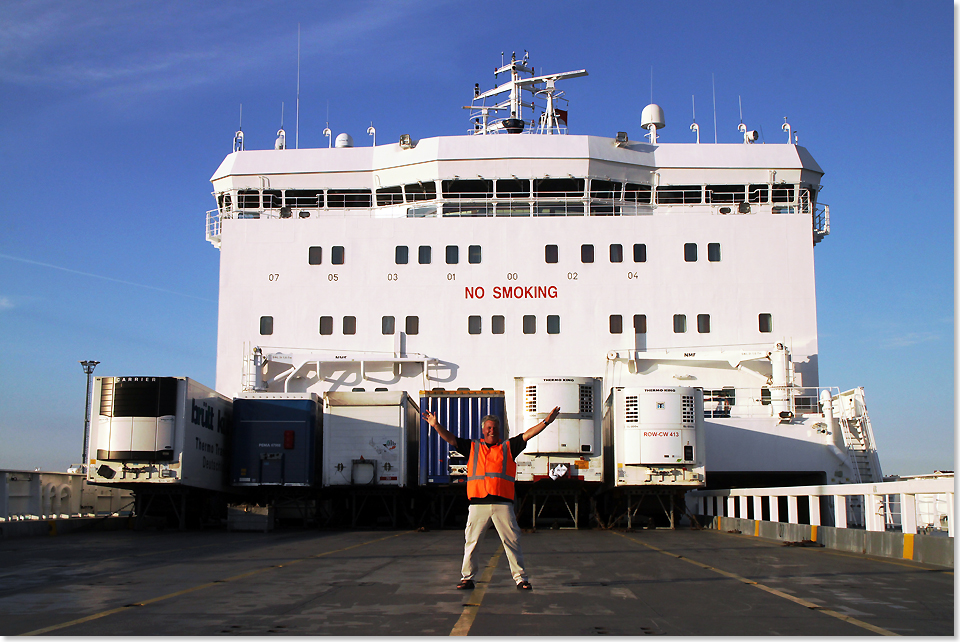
[[923, 504]]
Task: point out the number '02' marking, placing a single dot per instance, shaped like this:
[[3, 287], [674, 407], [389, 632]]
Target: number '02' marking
[[572, 276], [273, 277]]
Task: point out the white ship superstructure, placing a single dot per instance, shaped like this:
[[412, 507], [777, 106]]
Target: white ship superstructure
[[522, 251]]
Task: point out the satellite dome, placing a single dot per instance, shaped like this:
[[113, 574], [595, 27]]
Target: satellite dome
[[343, 140], [652, 115]]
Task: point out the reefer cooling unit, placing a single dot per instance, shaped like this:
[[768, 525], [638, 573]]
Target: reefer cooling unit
[[460, 412], [369, 439], [276, 439], [654, 437], [570, 447], [158, 430]]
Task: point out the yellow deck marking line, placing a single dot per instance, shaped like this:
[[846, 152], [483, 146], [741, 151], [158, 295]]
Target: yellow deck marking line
[[199, 587], [472, 606], [772, 591]]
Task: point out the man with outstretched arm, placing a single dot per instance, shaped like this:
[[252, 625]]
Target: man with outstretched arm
[[491, 473]]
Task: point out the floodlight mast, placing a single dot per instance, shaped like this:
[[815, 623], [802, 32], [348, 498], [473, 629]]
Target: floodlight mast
[[88, 367]]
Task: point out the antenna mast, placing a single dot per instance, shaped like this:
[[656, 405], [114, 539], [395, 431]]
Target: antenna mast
[[713, 81], [297, 137]]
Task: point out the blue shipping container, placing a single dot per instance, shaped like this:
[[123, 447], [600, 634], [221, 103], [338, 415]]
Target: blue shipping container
[[276, 440], [460, 412]]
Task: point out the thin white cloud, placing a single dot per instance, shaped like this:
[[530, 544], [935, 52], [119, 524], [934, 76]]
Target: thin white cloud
[[908, 339], [6, 303]]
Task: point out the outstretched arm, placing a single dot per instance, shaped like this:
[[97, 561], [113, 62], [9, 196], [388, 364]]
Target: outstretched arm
[[536, 430], [445, 434]]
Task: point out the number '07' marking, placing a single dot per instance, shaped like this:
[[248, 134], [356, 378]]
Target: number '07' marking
[[273, 277]]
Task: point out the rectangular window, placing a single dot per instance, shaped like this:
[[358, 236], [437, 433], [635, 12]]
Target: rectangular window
[[347, 198], [496, 324], [727, 193], [679, 323], [758, 194], [679, 194], [272, 198], [413, 325], [349, 325], [248, 199], [766, 322], [640, 323], [388, 325], [389, 195], [336, 255], [559, 187], [529, 324], [473, 254], [717, 403], [326, 325], [551, 254], [636, 193], [586, 254], [616, 324], [782, 193], [473, 324], [424, 254], [315, 255], [713, 252], [553, 324], [703, 323], [616, 253], [453, 255], [689, 252], [639, 252], [304, 198], [468, 188], [402, 255], [420, 191], [513, 187], [605, 189], [266, 325]]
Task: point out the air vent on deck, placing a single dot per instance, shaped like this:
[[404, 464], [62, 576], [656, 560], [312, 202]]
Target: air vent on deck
[[531, 399], [632, 413], [586, 399]]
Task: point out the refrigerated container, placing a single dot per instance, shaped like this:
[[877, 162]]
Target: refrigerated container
[[276, 439], [460, 412]]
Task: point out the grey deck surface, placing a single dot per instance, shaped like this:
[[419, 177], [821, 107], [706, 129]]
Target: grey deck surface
[[402, 583]]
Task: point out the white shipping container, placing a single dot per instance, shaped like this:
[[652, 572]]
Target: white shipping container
[[158, 430], [369, 439], [655, 436]]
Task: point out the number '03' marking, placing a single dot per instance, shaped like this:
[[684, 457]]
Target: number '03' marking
[[392, 277]]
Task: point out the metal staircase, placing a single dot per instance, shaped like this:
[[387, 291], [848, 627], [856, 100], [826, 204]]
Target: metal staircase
[[851, 410]]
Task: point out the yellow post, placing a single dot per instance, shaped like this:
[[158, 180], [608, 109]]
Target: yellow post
[[908, 546]]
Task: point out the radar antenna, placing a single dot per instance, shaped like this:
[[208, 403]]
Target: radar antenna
[[238, 137]]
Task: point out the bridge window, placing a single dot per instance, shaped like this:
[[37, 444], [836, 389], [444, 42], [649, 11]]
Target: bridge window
[[766, 322], [529, 324], [616, 253], [713, 252], [513, 188], [326, 325], [473, 324], [497, 324], [637, 193], [349, 325], [389, 195], [420, 191], [758, 194], [679, 323], [679, 194], [586, 254], [689, 252], [640, 323], [266, 325], [553, 324], [311, 198], [605, 189], [703, 323], [388, 325], [413, 325], [453, 255], [473, 254], [402, 255], [727, 193], [783, 193], [424, 254], [272, 198], [315, 255], [347, 198], [468, 188], [551, 254], [639, 252], [336, 255], [616, 324], [559, 187], [248, 199]]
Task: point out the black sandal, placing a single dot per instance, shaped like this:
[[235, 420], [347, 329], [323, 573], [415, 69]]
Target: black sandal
[[524, 585], [465, 585]]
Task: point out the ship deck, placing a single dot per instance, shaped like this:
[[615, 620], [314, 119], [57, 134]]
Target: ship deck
[[401, 582]]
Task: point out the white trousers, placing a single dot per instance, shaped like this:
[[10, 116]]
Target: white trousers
[[505, 521]]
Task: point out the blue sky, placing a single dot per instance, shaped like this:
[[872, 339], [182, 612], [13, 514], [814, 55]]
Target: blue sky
[[114, 115]]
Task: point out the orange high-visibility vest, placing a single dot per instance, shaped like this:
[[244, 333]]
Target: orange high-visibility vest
[[490, 470]]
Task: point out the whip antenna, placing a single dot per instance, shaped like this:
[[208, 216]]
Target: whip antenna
[[297, 136], [713, 81]]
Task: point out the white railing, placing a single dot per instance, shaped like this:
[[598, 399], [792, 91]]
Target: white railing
[[903, 506], [32, 495]]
